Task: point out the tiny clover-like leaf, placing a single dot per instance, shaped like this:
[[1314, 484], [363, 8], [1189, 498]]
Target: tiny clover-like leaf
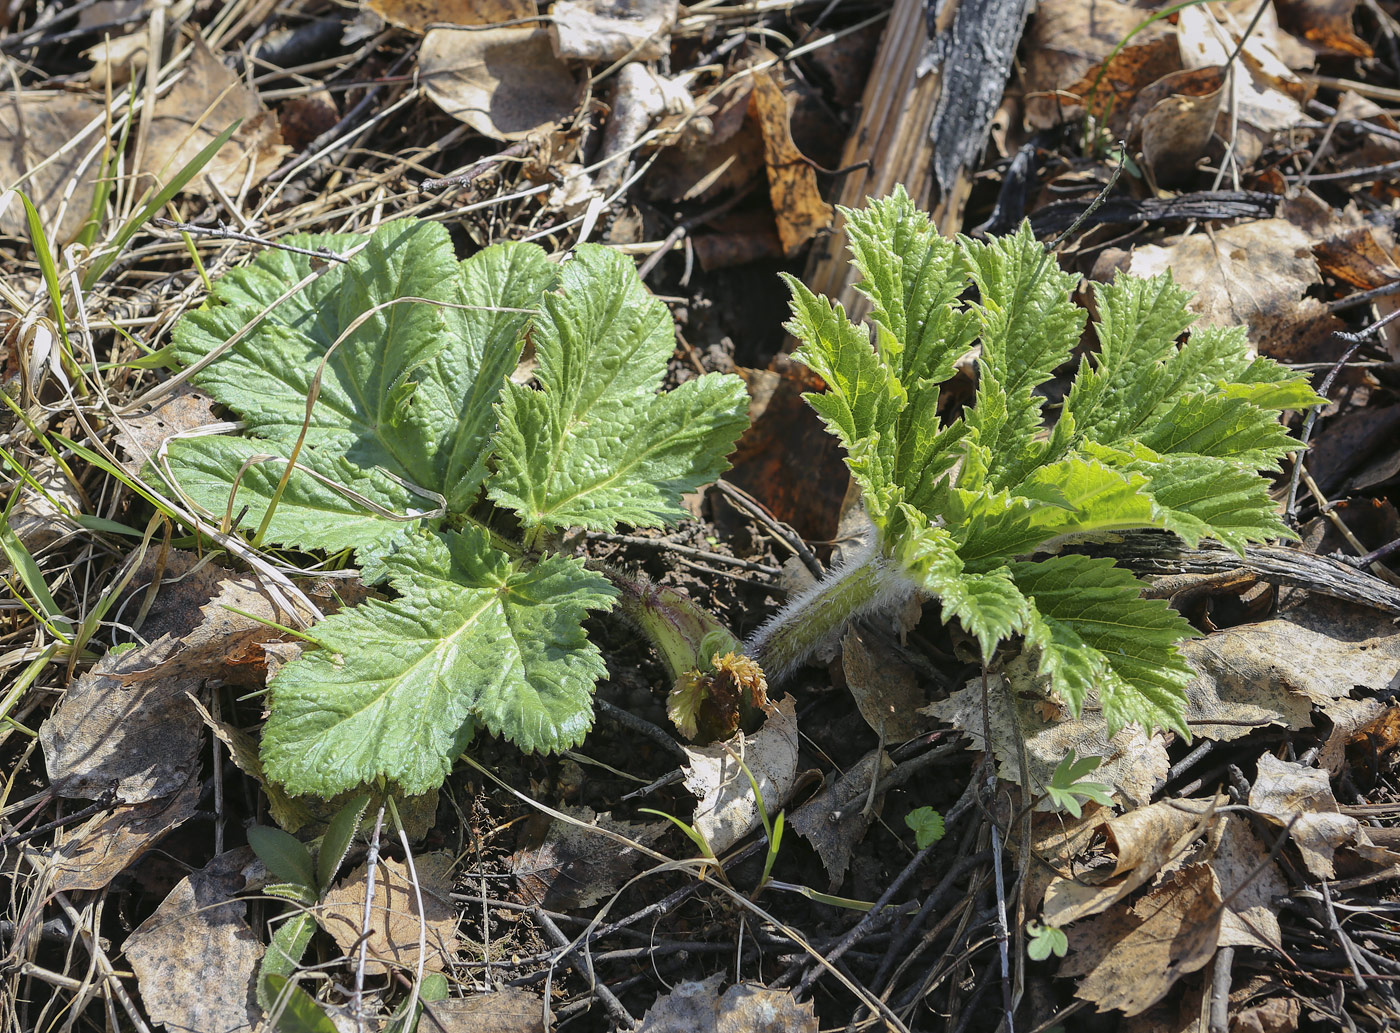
[[398, 685], [1157, 431], [1046, 940], [597, 445], [927, 825], [1067, 786]]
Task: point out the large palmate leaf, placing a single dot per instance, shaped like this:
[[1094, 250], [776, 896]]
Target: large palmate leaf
[[383, 377], [1156, 431], [473, 637], [597, 445]]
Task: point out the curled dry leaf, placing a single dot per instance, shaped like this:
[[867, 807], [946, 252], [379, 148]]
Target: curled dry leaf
[[570, 864], [792, 182], [1325, 24], [595, 31], [1284, 792], [834, 838], [1142, 843], [1174, 119], [206, 100], [1130, 959], [504, 83], [195, 957], [1067, 42], [698, 1007], [727, 810], [394, 927], [1134, 764], [36, 129], [1267, 95]]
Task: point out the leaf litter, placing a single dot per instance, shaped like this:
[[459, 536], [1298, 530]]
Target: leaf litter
[[1291, 711]]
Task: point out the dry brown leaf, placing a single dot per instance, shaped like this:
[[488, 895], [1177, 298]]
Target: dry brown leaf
[[36, 125], [141, 436], [117, 59], [1284, 792], [698, 1007], [1142, 842], [1325, 24], [1067, 41], [727, 810], [1175, 118], [1267, 95], [603, 31], [206, 100], [496, 1011], [504, 83], [1129, 960], [834, 840], [720, 152], [792, 182], [417, 15], [1250, 885], [141, 740], [1276, 1015], [568, 864], [1254, 274], [394, 926], [1134, 763], [886, 690], [96, 852], [195, 957]]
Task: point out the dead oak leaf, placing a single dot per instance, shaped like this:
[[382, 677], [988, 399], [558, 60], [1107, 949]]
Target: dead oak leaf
[[395, 930], [1130, 959], [572, 864]]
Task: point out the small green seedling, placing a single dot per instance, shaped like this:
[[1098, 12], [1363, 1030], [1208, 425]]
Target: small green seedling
[[1045, 940], [1065, 788], [927, 825]]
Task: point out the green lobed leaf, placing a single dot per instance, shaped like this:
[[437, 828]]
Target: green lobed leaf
[[596, 445], [1096, 634], [472, 638]]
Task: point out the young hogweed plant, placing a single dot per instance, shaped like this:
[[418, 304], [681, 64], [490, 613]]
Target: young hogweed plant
[[1154, 433], [385, 380]]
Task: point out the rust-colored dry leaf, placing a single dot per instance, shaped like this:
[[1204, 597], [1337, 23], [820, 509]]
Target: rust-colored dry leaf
[[1134, 763], [886, 690], [99, 850], [1286, 792], [1142, 842], [727, 810], [1175, 118], [1067, 42], [836, 839], [504, 83], [698, 1007], [35, 125], [1326, 24], [792, 182], [208, 98], [394, 926], [497, 1011], [568, 864], [1129, 960], [1255, 274], [195, 957], [181, 410], [417, 15]]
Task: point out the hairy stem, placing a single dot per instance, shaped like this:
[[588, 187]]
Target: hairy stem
[[869, 582]]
